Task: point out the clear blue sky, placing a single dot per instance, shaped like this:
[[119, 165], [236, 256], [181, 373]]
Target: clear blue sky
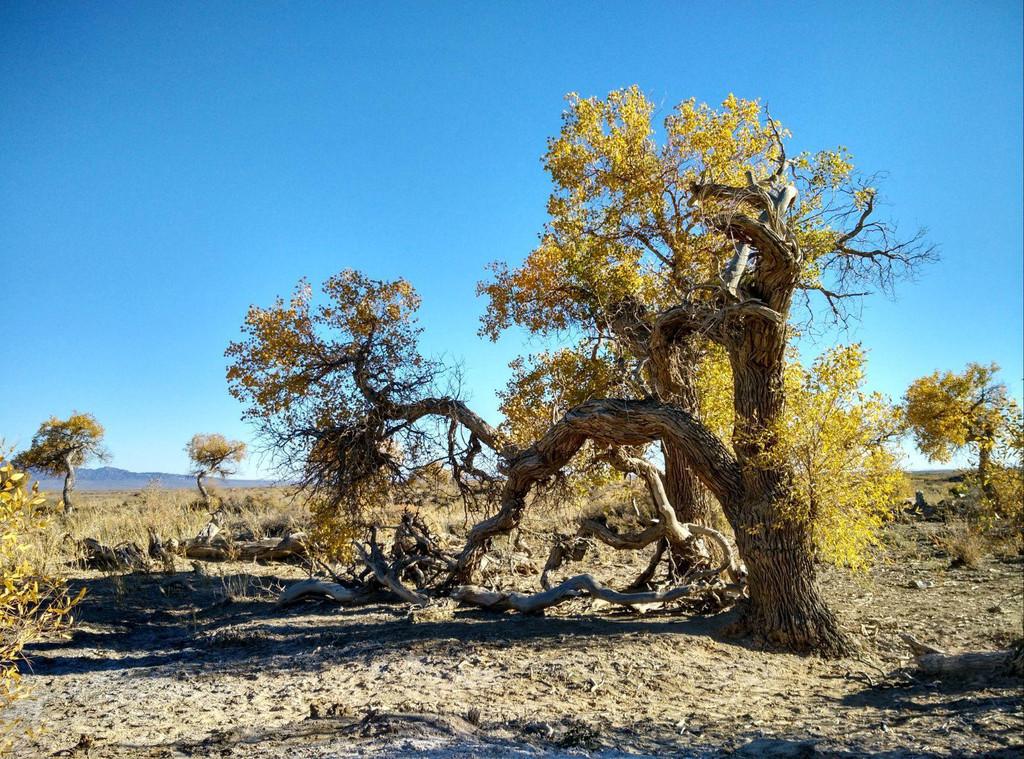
[[163, 165]]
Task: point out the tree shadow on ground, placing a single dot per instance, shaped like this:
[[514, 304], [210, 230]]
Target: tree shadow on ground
[[965, 705], [135, 622]]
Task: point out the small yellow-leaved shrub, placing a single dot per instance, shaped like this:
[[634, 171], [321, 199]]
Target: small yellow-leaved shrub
[[842, 445], [32, 605]]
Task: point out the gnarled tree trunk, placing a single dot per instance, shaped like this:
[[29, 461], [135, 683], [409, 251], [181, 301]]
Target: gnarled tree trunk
[[671, 362], [69, 485], [785, 606], [202, 488], [691, 500]]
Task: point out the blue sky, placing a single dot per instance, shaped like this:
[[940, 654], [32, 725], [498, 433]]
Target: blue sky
[[163, 165]]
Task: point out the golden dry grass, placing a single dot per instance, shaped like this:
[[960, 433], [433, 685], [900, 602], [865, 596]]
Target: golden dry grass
[[126, 516]]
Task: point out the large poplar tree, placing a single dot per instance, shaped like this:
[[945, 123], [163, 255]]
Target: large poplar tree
[[660, 247]]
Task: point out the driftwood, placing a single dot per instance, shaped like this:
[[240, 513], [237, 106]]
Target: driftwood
[[214, 544], [122, 557], [961, 667], [572, 588], [320, 588], [968, 666], [268, 549], [375, 561]]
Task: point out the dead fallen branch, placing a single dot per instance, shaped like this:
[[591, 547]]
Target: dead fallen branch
[[416, 554], [573, 587], [122, 557], [319, 588], [967, 666], [959, 667], [375, 561], [268, 549], [213, 543]]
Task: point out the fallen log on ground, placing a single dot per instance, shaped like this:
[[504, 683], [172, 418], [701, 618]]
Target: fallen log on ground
[[122, 557], [960, 667], [268, 549], [967, 666], [319, 588], [573, 587], [213, 543]]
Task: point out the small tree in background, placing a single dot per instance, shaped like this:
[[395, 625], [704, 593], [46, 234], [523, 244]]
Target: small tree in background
[[948, 412], [213, 454], [61, 445]]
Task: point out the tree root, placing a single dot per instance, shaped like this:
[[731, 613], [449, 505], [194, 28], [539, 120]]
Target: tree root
[[804, 631]]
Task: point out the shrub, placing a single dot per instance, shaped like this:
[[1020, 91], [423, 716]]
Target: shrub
[[964, 546], [32, 605]]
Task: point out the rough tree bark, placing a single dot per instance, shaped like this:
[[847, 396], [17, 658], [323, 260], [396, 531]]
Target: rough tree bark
[[776, 546], [670, 366], [202, 488], [69, 484], [785, 604]]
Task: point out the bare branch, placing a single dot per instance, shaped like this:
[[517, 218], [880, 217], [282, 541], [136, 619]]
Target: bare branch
[[571, 588]]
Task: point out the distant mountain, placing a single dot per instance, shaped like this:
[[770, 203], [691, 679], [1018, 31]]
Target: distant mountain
[[112, 478]]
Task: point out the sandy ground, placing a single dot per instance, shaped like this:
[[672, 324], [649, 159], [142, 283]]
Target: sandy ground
[[158, 670]]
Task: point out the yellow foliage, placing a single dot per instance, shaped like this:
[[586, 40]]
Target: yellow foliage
[[214, 453], [714, 385], [545, 386], [948, 412], [291, 347], [333, 532], [31, 605], [59, 443], [620, 226], [312, 376], [842, 446]]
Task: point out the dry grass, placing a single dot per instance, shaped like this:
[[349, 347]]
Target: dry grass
[[964, 547], [935, 485], [126, 516]]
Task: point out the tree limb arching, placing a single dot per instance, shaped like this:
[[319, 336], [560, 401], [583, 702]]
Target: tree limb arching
[[676, 532], [610, 422]]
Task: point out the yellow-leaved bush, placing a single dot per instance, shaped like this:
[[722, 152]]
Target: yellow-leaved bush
[[842, 445], [32, 606]]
